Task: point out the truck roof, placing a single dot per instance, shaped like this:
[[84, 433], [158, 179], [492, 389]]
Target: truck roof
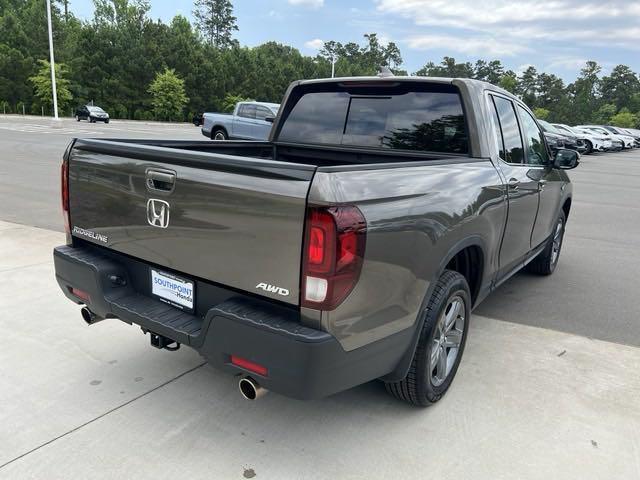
[[470, 83], [269, 105]]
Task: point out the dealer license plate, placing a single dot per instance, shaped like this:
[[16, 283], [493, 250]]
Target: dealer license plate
[[173, 290]]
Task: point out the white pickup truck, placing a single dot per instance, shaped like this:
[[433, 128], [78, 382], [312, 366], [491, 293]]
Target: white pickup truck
[[249, 121]]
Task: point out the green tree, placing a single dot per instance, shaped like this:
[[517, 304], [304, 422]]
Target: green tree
[[491, 72], [447, 68], [528, 86], [620, 87], [230, 101], [43, 88], [583, 94], [167, 95], [353, 60], [541, 113], [604, 113], [214, 18], [392, 56], [625, 119], [509, 81]]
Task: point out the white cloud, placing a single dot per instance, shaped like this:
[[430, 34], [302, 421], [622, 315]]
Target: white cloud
[[315, 44], [505, 27], [468, 46], [307, 3]]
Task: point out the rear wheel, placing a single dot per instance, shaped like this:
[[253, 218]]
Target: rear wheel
[[545, 263], [441, 344], [219, 134]]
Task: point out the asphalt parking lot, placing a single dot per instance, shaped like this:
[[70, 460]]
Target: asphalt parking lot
[[30, 153], [548, 386]]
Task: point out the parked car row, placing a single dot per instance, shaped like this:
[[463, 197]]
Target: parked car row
[[590, 138]]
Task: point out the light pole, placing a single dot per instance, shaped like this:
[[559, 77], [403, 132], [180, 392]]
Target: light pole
[[53, 65], [333, 66]]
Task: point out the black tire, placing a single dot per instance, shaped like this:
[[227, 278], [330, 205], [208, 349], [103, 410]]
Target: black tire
[[106, 121], [547, 261], [92, 120], [589, 147], [219, 134], [77, 118], [417, 387]]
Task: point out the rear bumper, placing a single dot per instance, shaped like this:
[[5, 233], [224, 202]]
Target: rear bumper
[[302, 362]]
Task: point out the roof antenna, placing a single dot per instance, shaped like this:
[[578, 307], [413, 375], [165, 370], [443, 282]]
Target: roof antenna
[[385, 72]]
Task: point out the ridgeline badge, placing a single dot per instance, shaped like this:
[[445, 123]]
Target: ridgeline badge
[[90, 234]]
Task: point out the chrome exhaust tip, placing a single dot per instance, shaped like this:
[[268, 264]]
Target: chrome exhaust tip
[[89, 317], [250, 389]]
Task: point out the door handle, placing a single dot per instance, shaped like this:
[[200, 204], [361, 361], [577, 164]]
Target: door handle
[[162, 180], [513, 184]]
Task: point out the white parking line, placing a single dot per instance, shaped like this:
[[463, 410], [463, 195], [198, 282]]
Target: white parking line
[[32, 128]]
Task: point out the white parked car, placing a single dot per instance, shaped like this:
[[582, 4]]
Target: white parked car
[[622, 133], [635, 133], [626, 140], [593, 141]]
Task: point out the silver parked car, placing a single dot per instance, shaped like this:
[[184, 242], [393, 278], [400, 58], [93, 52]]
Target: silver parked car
[[249, 121]]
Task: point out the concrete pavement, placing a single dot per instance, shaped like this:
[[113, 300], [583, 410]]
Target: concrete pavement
[[98, 402]]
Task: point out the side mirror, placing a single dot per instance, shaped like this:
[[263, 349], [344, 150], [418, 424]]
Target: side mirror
[[566, 159], [269, 119]]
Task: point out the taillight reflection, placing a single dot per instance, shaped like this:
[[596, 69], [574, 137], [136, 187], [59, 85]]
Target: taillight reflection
[[64, 193]]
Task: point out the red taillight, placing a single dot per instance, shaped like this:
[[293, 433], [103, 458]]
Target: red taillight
[[81, 294], [64, 192], [333, 252], [249, 365]]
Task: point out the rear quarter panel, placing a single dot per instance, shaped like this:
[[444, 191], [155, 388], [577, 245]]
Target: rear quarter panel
[[417, 217], [217, 119]]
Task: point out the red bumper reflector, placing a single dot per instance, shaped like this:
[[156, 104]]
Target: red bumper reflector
[[249, 365], [81, 294]]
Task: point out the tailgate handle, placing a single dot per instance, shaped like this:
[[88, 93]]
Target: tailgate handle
[[161, 180]]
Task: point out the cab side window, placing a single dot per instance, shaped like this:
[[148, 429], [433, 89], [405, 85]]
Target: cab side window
[[513, 149], [536, 148], [247, 111]]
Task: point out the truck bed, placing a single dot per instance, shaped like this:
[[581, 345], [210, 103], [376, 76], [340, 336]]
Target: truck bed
[[236, 210], [317, 156]]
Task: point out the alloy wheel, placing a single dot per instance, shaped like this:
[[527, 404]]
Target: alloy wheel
[[557, 241], [447, 339]]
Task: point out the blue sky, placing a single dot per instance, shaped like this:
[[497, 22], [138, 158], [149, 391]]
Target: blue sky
[[556, 36]]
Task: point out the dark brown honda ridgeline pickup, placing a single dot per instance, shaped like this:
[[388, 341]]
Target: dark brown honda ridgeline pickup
[[351, 246]]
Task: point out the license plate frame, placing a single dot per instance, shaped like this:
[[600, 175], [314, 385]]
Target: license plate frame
[[174, 290]]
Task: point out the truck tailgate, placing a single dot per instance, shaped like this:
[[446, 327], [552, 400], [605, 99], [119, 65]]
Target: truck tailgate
[[232, 220]]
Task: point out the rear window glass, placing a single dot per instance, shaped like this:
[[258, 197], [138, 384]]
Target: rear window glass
[[430, 121]]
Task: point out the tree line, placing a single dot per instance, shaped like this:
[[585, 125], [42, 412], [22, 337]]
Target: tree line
[[139, 68]]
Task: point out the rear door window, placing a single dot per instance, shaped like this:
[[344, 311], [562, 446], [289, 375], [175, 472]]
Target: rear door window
[[513, 147], [429, 121]]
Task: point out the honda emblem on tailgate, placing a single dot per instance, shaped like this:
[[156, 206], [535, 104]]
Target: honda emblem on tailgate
[[158, 213]]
